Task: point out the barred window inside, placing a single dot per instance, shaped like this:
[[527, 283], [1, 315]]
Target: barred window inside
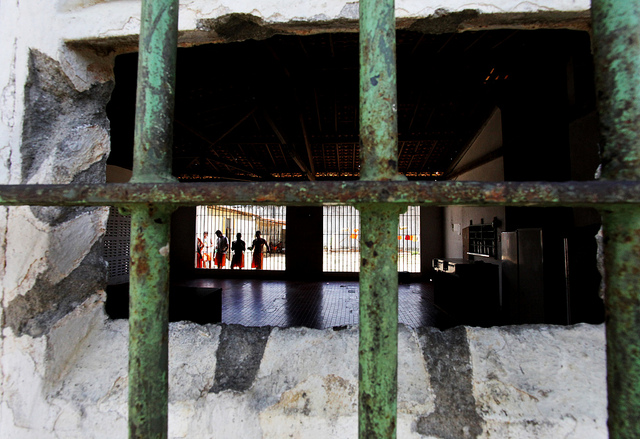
[[270, 221], [341, 240]]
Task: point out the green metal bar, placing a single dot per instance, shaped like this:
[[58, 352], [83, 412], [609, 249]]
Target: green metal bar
[[623, 321], [148, 323], [155, 91], [378, 349], [616, 26], [378, 340], [378, 94], [150, 225], [468, 193]]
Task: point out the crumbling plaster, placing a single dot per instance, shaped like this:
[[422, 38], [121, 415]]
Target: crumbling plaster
[[63, 364], [117, 17], [535, 381]]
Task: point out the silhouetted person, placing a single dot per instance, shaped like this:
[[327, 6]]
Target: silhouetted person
[[257, 246], [222, 245], [238, 246]]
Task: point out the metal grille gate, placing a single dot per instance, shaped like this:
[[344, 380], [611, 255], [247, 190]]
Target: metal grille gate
[[270, 221], [116, 247], [341, 239], [153, 194]]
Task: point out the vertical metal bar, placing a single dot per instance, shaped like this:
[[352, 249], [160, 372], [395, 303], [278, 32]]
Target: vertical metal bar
[[148, 323], [378, 350], [149, 277], [155, 91], [378, 94], [616, 25]]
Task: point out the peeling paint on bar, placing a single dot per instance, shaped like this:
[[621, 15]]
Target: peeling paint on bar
[[378, 339], [378, 94], [441, 193], [378, 347], [616, 25], [155, 93], [150, 224], [149, 323]]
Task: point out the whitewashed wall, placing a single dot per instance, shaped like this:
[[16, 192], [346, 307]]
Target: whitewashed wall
[[487, 140], [63, 365], [237, 383]]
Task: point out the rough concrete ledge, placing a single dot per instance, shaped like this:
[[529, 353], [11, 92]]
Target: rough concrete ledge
[[237, 382], [241, 26], [539, 381]]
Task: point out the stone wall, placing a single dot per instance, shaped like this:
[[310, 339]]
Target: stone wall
[[236, 382]]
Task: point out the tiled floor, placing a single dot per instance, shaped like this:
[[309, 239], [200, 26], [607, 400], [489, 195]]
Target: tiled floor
[[318, 305]]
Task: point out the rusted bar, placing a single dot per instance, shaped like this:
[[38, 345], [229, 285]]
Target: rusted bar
[[378, 339], [616, 26], [378, 346], [155, 95], [148, 322], [468, 193], [150, 224], [378, 92]]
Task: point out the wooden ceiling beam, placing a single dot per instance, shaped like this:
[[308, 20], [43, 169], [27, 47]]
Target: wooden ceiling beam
[[270, 155], [307, 145], [217, 159], [230, 164], [209, 142], [236, 125], [428, 156], [289, 148], [507, 38], [473, 43]]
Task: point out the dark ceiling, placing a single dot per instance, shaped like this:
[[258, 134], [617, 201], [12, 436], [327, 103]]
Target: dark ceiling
[[287, 107]]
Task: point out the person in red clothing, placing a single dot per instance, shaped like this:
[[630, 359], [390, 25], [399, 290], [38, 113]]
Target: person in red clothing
[[238, 246], [257, 246], [199, 255], [204, 246], [222, 245]]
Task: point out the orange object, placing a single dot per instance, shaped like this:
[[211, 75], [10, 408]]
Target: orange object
[[237, 260], [220, 259], [256, 262]]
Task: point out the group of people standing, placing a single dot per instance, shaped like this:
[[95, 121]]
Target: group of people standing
[[206, 251]]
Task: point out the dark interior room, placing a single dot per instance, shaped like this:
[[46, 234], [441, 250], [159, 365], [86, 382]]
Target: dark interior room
[[286, 109]]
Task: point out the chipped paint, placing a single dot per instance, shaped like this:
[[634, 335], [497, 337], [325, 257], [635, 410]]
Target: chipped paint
[[150, 224], [616, 25], [426, 193]]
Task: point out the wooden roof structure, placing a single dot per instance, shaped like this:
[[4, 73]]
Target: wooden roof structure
[[286, 108]]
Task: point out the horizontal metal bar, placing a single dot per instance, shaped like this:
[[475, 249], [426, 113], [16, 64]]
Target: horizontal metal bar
[[592, 193]]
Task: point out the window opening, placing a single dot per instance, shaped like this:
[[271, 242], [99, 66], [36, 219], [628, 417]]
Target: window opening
[[151, 250], [341, 240], [409, 240], [269, 221]]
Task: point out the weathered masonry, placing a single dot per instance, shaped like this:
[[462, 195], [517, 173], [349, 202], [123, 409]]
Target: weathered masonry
[[62, 362]]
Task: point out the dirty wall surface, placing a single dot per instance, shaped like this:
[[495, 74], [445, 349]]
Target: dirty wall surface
[[63, 365], [235, 382]]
